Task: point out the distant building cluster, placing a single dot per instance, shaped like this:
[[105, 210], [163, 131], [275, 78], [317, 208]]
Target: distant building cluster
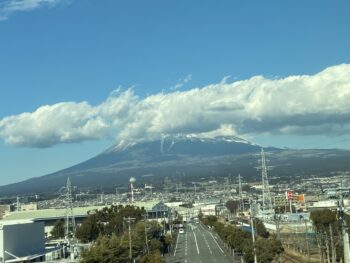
[[26, 226]]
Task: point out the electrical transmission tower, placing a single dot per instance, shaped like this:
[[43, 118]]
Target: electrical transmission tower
[[70, 220], [266, 202]]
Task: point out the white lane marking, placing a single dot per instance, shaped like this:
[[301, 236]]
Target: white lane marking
[[177, 240], [216, 242], [195, 239], [206, 241]]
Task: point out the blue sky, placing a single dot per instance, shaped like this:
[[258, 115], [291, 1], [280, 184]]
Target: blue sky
[[71, 55]]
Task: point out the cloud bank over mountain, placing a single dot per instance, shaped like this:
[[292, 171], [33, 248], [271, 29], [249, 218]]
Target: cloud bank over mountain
[[304, 105]]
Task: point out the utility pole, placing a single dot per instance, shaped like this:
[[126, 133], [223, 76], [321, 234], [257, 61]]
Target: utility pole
[[146, 237], [177, 190], [164, 223], [307, 241], [116, 194], [306, 238], [129, 220], [277, 221], [241, 204], [253, 232], [227, 187], [18, 206], [344, 231]]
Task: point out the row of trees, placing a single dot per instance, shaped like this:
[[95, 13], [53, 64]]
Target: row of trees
[[267, 247], [115, 248], [108, 232], [107, 221], [328, 234]]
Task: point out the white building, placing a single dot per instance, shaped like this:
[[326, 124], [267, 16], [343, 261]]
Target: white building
[[323, 204], [29, 207], [209, 210]]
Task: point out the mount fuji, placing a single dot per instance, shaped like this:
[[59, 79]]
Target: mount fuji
[[192, 157]]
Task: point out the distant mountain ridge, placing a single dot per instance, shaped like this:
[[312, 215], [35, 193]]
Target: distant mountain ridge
[[196, 157]]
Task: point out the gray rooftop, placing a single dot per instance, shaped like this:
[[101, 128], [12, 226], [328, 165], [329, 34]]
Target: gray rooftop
[[61, 213]]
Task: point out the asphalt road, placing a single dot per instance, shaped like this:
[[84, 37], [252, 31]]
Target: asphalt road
[[199, 245]]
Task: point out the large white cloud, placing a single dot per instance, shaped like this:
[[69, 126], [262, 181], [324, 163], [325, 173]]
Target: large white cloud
[[317, 104]]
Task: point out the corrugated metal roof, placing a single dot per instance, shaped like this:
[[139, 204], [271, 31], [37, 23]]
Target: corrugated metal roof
[[60, 213], [49, 213]]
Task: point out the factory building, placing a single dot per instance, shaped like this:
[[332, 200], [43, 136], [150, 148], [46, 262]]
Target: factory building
[[49, 217]]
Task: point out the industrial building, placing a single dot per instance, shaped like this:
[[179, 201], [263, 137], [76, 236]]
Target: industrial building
[[48, 217]]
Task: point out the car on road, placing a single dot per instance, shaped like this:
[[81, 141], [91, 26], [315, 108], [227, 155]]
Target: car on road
[[181, 231]]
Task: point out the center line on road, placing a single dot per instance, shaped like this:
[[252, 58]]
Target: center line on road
[[206, 241], [195, 239]]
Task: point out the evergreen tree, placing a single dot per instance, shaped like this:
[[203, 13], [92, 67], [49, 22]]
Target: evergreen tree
[[58, 229]]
